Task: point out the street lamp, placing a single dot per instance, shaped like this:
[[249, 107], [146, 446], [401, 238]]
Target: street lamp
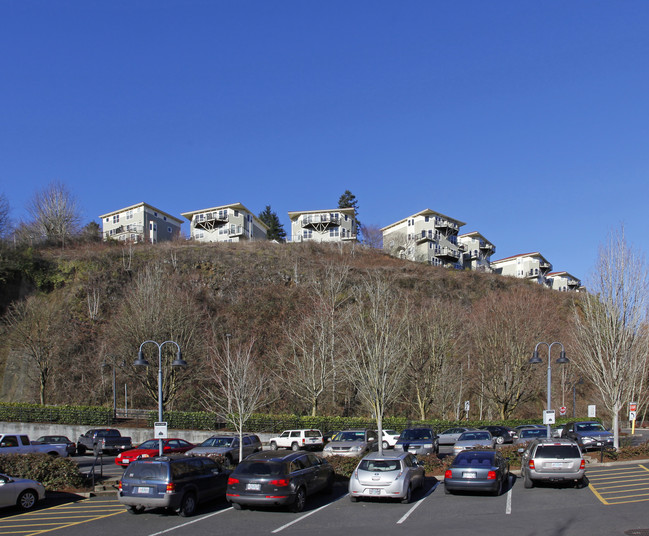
[[141, 362], [536, 359]]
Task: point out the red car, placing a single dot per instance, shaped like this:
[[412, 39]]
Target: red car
[[151, 448]]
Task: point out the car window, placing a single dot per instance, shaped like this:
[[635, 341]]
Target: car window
[[296, 465], [557, 451], [351, 436], [217, 442], [465, 459], [475, 436], [312, 433], [285, 434], [260, 468], [416, 434], [247, 441], [295, 434], [314, 459], [305, 461], [9, 441], [589, 427], [379, 466], [147, 471], [408, 461]]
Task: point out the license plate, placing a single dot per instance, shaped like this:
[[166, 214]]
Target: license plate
[[598, 444], [142, 490], [469, 475], [557, 465], [253, 487], [374, 491]]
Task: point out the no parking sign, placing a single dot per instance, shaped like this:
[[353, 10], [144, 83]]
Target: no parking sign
[[563, 410]]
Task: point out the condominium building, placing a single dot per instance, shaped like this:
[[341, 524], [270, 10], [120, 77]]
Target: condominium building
[[426, 236], [336, 225], [140, 223], [226, 223], [532, 266], [476, 251], [563, 281]]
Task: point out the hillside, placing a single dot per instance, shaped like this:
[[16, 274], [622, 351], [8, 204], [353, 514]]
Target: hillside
[[94, 304]]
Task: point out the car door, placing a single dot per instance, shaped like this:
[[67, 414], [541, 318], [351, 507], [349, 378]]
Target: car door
[[284, 440], [302, 472], [320, 471], [216, 478]]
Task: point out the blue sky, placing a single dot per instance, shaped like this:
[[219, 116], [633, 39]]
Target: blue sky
[[526, 120]]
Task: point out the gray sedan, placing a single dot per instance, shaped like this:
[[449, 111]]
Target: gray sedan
[[474, 439], [20, 492], [479, 470], [387, 476], [449, 437]]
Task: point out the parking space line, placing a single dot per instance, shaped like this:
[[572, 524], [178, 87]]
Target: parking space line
[[305, 515], [171, 529], [508, 507], [416, 505], [620, 485]]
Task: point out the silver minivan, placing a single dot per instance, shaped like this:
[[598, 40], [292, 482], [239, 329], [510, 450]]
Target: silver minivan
[[552, 460]]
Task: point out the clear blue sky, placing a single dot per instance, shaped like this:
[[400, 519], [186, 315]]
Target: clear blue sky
[[527, 120]]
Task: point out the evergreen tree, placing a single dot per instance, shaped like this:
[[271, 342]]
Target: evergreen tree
[[275, 228], [348, 200]]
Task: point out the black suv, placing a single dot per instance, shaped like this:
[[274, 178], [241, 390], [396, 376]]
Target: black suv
[[177, 482], [274, 478]]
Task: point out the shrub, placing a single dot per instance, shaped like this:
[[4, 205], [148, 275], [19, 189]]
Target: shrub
[[343, 465], [435, 465], [53, 472], [627, 452], [510, 453]]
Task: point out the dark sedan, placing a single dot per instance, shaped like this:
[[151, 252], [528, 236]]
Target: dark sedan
[[477, 470], [274, 478], [502, 434]]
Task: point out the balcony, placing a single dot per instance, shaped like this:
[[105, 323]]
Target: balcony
[[432, 236], [441, 223], [447, 252], [210, 220], [317, 220]]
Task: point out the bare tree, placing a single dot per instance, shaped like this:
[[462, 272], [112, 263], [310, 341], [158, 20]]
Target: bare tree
[[505, 326], [159, 307], [611, 343], [55, 213], [34, 330], [372, 236], [5, 220], [432, 333], [236, 386], [376, 362]]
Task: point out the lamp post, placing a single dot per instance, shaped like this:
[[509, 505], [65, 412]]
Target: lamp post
[[536, 359], [141, 362]]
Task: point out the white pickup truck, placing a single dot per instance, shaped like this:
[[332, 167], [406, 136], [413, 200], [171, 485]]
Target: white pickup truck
[[20, 444]]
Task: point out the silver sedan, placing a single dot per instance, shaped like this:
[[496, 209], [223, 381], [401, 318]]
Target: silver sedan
[[474, 439], [387, 476], [20, 492]]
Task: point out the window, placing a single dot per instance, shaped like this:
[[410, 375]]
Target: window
[[236, 213], [169, 230], [116, 218], [333, 232], [164, 218], [129, 215], [427, 218], [107, 220], [155, 214]]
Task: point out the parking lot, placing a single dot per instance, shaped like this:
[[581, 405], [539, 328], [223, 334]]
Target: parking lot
[[546, 509]]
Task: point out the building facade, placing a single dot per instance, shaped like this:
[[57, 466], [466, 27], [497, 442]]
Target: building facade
[[532, 266], [226, 223], [476, 251], [336, 225], [426, 236], [140, 223], [563, 281]]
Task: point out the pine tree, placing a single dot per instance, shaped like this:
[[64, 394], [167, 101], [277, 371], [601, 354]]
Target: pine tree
[[275, 228], [348, 200]]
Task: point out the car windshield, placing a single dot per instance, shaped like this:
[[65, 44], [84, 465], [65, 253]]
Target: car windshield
[[532, 432], [589, 427], [312, 433], [147, 471], [379, 465], [474, 458], [217, 442], [411, 435], [351, 436], [150, 444], [260, 468], [475, 436], [557, 451]]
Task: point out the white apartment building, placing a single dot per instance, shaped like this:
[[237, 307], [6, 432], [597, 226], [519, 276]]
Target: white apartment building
[[426, 236], [532, 266], [226, 223], [336, 225], [563, 281], [476, 251], [140, 223]]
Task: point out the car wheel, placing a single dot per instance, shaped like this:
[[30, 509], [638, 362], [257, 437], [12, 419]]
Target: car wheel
[[527, 481], [81, 450], [27, 499], [329, 486], [408, 496], [581, 483], [187, 506], [499, 489], [273, 445], [385, 445], [300, 500], [447, 491], [295, 446], [237, 506], [135, 509], [353, 499], [500, 440]]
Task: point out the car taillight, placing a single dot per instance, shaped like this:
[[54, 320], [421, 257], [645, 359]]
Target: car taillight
[[491, 475], [582, 465], [530, 464], [119, 485], [233, 480], [448, 474], [303, 440], [279, 482], [171, 487]]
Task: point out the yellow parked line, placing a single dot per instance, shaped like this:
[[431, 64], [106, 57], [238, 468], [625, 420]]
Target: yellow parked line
[[620, 485]]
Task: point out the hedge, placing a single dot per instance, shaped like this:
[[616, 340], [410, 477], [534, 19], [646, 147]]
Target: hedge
[[54, 473], [90, 415]]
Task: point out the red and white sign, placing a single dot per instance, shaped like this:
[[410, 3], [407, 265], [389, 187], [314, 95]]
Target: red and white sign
[[562, 410], [633, 406]]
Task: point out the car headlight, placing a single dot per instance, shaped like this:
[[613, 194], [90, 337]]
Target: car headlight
[[328, 448], [398, 447], [587, 440], [428, 446], [357, 448], [144, 455]]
